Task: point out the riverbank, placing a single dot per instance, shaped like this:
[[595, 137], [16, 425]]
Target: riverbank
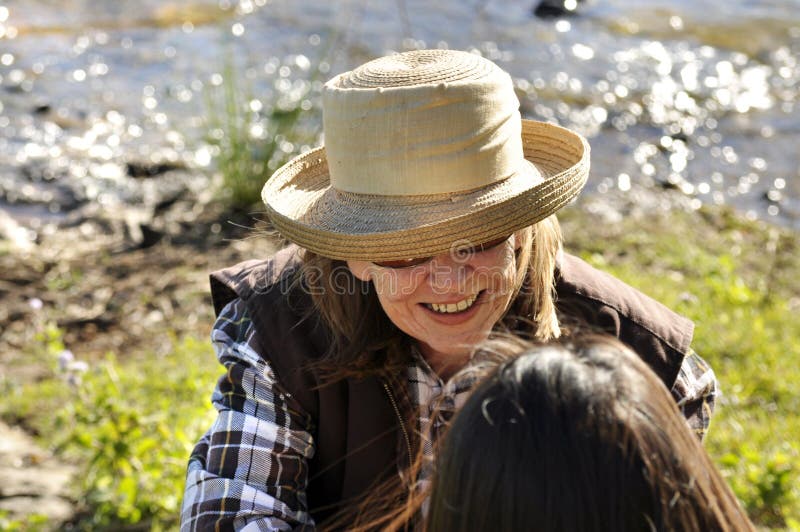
[[136, 414], [112, 291], [71, 299]]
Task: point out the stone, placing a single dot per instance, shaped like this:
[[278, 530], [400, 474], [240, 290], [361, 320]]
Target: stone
[[34, 482]]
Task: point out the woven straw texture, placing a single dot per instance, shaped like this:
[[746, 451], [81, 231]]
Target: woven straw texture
[[417, 68], [423, 149], [440, 121], [304, 207]]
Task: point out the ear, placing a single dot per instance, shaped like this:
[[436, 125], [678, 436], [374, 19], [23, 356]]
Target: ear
[[360, 269]]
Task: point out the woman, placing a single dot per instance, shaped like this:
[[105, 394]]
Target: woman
[[424, 224], [578, 436]]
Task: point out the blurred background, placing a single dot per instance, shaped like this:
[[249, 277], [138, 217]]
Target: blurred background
[[135, 137]]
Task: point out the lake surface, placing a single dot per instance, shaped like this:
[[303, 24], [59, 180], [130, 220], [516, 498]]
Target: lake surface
[[697, 96]]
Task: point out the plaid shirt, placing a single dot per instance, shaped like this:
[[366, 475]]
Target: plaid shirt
[[249, 471]]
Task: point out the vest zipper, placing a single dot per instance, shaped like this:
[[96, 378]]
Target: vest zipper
[[400, 419]]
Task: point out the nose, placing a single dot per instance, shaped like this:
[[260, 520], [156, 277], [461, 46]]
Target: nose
[[448, 273]]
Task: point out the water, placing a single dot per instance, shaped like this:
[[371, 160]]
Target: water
[[700, 96]]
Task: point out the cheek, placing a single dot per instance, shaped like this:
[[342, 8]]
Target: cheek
[[395, 285], [498, 269], [401, 310], [398, 293]]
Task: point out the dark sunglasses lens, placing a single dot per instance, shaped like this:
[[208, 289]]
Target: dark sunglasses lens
[[407, 263], [467, 252], [491, 244], [404, 263]]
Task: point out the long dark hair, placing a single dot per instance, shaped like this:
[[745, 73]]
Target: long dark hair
[[577, 435]]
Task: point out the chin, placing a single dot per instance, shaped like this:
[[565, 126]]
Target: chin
[[460, 347]]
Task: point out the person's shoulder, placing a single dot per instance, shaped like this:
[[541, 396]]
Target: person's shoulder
[[576, 280], [258, 278]]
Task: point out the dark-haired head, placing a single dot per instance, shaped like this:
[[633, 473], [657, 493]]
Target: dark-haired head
[[578, 435]]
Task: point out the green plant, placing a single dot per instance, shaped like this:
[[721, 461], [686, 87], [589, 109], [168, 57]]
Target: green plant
[[765, 487], [253, 138], [30, 523], [134, 425], [141, 415], [129, 427]]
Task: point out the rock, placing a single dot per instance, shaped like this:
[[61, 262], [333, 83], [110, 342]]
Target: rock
[[42, 109], [139, 229], [145, 169], [40, 172], [19, 238], [33, 481], [556, 8]]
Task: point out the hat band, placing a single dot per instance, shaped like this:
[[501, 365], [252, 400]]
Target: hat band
[[422, 140]]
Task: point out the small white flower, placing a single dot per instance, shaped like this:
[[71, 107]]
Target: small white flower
[[65, 358], [79, 366], [35, 303]]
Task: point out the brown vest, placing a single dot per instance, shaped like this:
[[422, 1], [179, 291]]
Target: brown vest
[[355, 423]]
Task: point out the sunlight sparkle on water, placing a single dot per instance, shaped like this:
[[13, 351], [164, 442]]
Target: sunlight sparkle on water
[[257, 131], [246, 7], [689, 76], [302, 62], [624, 182], [774, 195], [581, 51], [98, 69], [202, 156]]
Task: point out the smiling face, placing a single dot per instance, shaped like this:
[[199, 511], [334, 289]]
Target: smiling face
[[448, 304]]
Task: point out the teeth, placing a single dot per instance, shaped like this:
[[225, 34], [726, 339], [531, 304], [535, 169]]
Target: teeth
[[449, 308]]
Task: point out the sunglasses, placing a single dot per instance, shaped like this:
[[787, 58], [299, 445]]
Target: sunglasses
[[461, 252]]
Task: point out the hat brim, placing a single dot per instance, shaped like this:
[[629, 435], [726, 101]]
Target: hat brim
[[305, 209]]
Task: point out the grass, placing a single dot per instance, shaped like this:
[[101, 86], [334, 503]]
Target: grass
[[740, 282], [243, 160], [253, 136], [130, 424]]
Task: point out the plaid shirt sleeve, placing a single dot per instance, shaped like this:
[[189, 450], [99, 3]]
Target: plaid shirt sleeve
[[695, 391], [249, 471]]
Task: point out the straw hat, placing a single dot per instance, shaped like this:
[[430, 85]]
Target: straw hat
[[422, 150]]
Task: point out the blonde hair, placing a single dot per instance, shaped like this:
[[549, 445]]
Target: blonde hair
[[363, 339]]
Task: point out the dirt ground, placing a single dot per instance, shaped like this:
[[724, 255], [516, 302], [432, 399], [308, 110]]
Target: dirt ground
[[106, 288], [109, 284], [109, 292]]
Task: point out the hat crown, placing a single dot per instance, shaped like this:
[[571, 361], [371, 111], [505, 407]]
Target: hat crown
[[421, 122], [415, 68]]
